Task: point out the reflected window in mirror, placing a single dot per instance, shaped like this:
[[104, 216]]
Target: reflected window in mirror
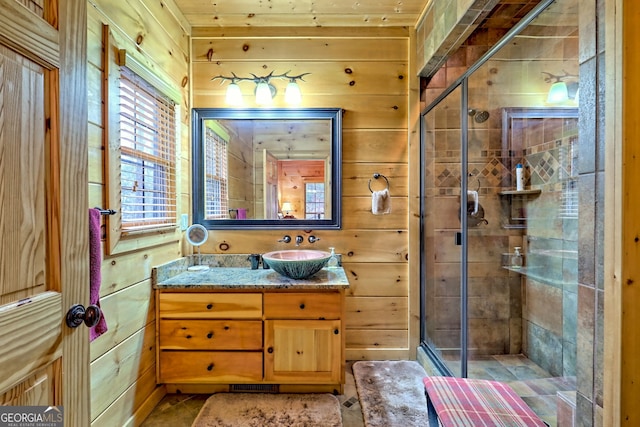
[[216, 177], [314, 200], [247, 163]]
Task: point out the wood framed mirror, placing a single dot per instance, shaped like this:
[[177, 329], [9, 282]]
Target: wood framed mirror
[[267, 168]]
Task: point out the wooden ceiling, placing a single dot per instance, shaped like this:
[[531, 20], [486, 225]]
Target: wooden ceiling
[[302, 13]]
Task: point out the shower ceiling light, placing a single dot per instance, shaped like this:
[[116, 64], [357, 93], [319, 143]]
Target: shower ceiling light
[[558, 93], [561, 90], [264, 90]]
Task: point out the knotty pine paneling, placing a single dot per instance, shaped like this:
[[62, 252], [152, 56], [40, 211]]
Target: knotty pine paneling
[[374, 146], [158, 35], [298, 49], [368, 339], [335, 78], [368, 75], [122, 412], [129, 310], [357, 177], [382, 279], [288, 20], [379, 313], [358, 214], [121, 367], [369, 246], [160, 40]]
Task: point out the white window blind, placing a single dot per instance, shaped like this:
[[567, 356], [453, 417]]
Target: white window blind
[[148, 160], [215, 175]]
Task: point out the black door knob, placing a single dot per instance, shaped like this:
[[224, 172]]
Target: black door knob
[[77, 315]]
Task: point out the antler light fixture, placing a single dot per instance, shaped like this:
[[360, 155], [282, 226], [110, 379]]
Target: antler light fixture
[[561, 90], [264, 90]]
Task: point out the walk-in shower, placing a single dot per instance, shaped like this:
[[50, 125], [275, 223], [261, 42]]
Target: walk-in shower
[[482, 316]]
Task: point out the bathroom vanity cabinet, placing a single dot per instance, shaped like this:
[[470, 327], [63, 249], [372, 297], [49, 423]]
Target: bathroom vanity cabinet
[[257, 339]]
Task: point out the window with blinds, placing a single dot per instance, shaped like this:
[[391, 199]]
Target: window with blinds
[[147, 159], [216, 196]]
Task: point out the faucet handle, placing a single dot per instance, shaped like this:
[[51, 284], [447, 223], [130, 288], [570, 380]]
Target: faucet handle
[[313, 239], [285, 239]]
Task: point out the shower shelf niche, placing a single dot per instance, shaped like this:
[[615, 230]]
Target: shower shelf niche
[[514, 206]]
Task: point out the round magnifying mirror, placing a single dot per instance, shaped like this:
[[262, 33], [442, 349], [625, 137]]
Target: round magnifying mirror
[[196, 235]]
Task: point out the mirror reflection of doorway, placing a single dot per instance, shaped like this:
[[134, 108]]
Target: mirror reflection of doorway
[[294, 176], [271, 206]]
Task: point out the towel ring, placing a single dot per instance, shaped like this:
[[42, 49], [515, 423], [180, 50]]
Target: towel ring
[[376, 176]]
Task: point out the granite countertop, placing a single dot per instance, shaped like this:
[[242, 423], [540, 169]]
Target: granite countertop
[[245, 278], [224, 273]]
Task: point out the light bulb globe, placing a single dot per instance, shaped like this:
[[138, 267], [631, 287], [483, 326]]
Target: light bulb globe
[[292, 94], [234, 95]]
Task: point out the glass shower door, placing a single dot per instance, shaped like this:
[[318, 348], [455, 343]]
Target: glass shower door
[[443, 331]]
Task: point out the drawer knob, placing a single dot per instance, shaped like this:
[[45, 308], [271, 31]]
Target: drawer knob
[[210, 335], [270, 350], [336, 332], [302, 306], [210, 367], [209, 306]]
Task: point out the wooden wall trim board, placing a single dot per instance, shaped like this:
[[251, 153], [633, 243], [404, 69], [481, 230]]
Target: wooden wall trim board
[[40, 45], [621, 364], [329, 33], [413, 215]]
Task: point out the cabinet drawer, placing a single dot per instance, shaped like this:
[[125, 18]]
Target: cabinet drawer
[[210, 305], [302, 305], [210, 334], [210, 366]]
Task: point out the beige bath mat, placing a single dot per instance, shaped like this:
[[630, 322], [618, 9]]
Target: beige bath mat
[[272, 410], [391, 393]]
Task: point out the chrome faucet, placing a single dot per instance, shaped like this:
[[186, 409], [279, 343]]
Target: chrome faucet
[[299, 239], [313, 239], [285, 239]]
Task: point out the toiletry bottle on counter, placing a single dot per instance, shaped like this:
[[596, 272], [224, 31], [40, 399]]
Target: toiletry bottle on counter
[[519, 177], [516, 258], [333, 261]]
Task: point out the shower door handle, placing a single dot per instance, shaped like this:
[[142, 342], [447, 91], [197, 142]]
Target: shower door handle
[[458, 238]]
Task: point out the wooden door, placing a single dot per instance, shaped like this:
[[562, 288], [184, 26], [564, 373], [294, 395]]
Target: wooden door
[[303, 351], [43, 197], [270, 185]]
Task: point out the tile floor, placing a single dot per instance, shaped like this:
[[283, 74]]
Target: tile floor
[[527, 379], [179, 410]]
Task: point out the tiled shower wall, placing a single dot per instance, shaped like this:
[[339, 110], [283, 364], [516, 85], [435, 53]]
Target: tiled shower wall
[[505, 309], [551, 245]]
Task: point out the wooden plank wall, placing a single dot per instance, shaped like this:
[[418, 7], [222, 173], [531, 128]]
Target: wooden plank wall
[[123, 383], [365, 72]]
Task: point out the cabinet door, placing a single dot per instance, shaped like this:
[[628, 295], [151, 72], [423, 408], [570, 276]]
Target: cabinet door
[[303, 351]]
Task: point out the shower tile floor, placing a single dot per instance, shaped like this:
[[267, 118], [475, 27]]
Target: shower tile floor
[[535, 385], [531, 382]]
